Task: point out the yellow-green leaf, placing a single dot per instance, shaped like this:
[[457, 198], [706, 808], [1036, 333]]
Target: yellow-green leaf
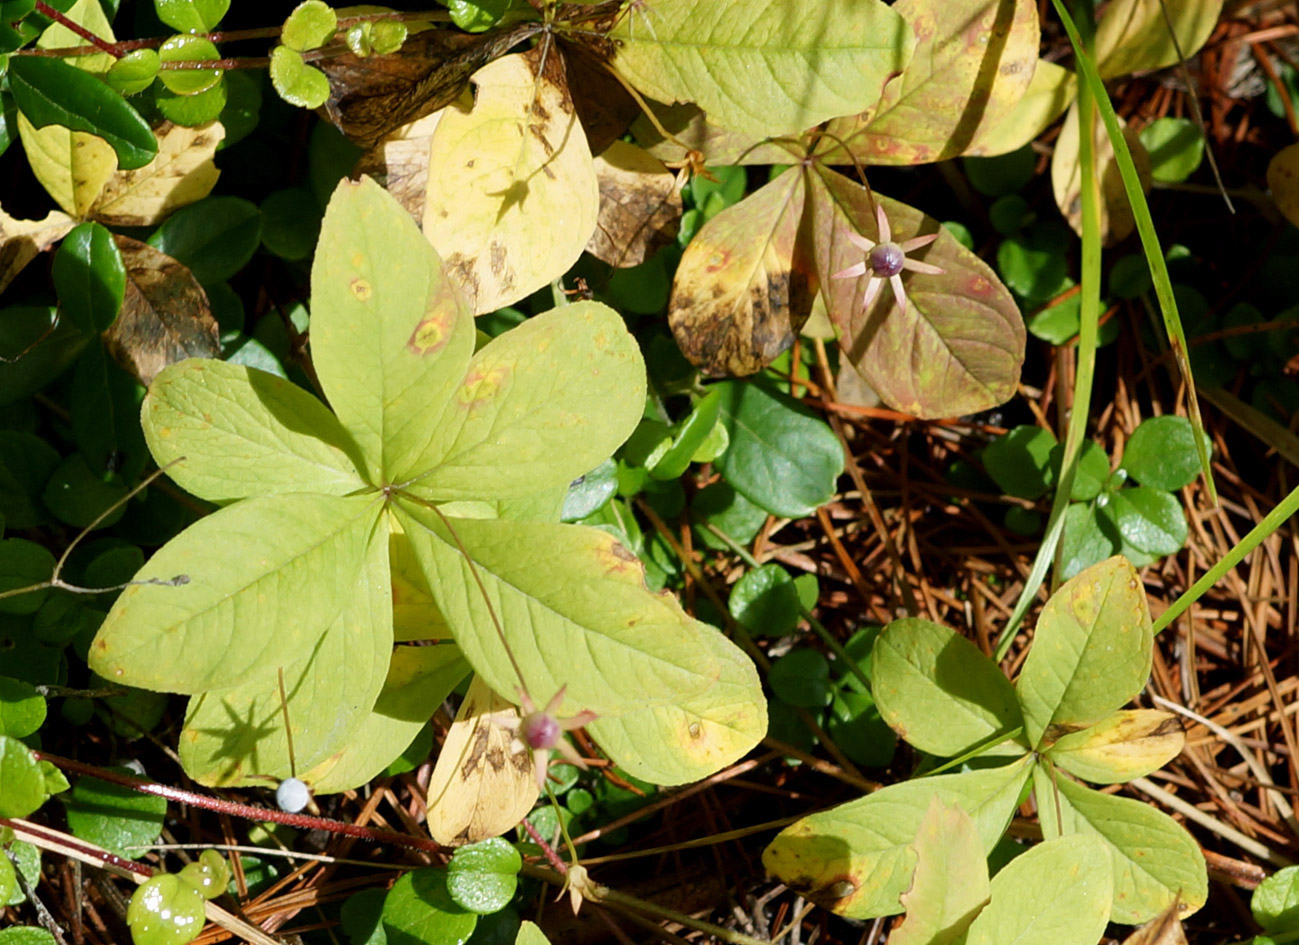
[[181, 174], [1049, 94], [1116, 219], [951, 879], [72, 166], [1129, 744], [1132, 35]]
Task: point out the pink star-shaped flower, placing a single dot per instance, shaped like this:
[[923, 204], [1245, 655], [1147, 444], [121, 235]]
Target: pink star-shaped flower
[[543, 732], [886, 260]]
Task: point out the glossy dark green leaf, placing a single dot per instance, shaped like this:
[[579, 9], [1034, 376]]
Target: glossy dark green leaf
[[26, 462], [801, 678], [1020, 461], [115, 817], [1088, 539], [22, 785], [765, 601], [1161, 453], [1130, 276], [291, 223], [782, 457], [89, 277], [362, 917], [857, 728], [1176, 148], [483, 877], [215, 237], [689, 437], [23, 563], [49, 91], [419, 910], [1033, 272], [77, 495], [243, 106], [720, 506], [22, 709], [191, 16], [1091, 472], [35, 347], [1149, 520], [106, 415], [15, 31]]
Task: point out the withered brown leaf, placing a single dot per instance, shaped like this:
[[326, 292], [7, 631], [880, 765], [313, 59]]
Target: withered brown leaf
[[640, 206], [165, 315]]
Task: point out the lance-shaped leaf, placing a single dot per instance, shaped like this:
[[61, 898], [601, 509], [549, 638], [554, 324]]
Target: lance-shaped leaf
[[1129, 744], [958, 346], [419, 680], [72, 166], [973, 62], [640, 206], [951, 879], [539, 406], [237, 736], [1049, 94], [239, 432], [89, 277], [181, 173], [286, 566], [744, 286], [513, 199], [938, 690], [1132, 35], [685, 741], [779, 68], [857, 859], [572, 606], [1154, 859], [1059, 892], [390, 334], [1091, 652], [1116, 219], [689, 127], [22, 240]]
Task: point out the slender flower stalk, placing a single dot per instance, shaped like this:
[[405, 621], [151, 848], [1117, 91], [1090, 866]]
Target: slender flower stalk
[[886, 260]]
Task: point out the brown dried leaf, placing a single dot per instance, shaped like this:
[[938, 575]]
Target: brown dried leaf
[[1164, 929], [744, 288], [165, 316], [371, 97], [399, 163], [640, 206], [603, 106], [22, 240], [1116, 219], [181, 173]]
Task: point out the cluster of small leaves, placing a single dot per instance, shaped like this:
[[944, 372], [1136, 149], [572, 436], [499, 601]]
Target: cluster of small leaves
[[1091, 654], [1107, 515], [168, 908]]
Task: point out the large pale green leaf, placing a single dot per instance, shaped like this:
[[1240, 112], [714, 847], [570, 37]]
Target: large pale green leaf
[[1154, 859], [1129, 744], [573, 607], [540, 405], [263, 580], [938, 690], [1132, 35], [1049, 94], [1058, 893], [857, 859], [419, 679], [390, 335], [240, 432], [959, 345], [973, 62], [689, 740], [951, 879], [688, 126], [775, 68], [1091, 652], [237, 736], [744, 288]]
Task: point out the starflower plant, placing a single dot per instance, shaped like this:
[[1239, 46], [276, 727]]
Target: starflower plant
[[885, 260], [422, 507]]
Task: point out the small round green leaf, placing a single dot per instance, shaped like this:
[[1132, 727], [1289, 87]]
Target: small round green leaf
[[8, 880], [1020, 461], [28, 860], [1161, 453], [192, 110], [209, 875], [77, 496], [191, 16], [1130, 276], [419, 909], [291, 223], [215, 237], [115, 817], [483, 877], [1089, 538], [134, 72], [720, 506], [22, 785], [1001, 175], [23, 563], [295, 81], [89, 277], [1035, 273], [1149, 520], [1176, 148], [1092, 471], [242, 108], [22, 709], [183, 48], [387, 36], [474, 16], [26, 935], [312, 23], [802, 678], [1275, 902], [361, 917], [765, 601], [857, 728], [164, 910], [26, 462]]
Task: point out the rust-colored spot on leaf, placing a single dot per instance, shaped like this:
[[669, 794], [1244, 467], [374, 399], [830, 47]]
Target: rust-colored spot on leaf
[[361, 289], [480, 386], [431, 333]]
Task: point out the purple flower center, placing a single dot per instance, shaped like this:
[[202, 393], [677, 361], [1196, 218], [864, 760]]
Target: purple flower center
[[540, 731], [886, 260]]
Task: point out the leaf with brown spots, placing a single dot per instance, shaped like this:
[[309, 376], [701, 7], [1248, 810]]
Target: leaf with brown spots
[[973, 61], [165, 316], [640, 206], [958, 346], [182, 173], [744, 287], [514, 197], [21, 241], [483, 783], [1129, 744], [1116, 219]]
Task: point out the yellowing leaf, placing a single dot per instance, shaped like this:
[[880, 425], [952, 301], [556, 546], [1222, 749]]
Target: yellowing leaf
[[182, 173], [1133, 37], [1116, 220], [951, 879], [1283, 181], [72, 166], [973, 61], [639, 206], [1129, 744], [773, 67], [87, 13], [513, 197], [484, 782], [415, 615], [1049, 94], [689, 740], [22, 240], [743, 289], [691, 128]]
